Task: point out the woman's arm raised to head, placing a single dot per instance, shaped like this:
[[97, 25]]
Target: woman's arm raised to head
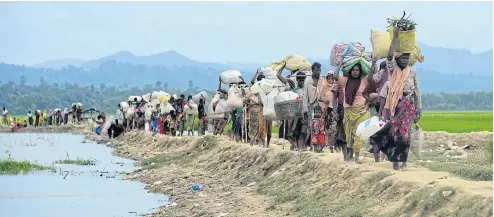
[[219, 83], [337, 72], [253, 80], [280, 77], [396, 33], [373, 70]]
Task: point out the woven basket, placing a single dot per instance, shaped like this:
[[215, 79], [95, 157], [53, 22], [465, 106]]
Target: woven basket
[[288, 110]]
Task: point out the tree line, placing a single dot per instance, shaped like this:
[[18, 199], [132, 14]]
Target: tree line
[[19, 98]]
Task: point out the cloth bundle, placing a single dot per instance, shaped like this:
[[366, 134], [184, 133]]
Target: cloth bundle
[[352, 56], [231, 77], [291, 62], [337, 51]]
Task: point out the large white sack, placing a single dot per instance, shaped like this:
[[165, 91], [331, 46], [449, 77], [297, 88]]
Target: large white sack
[[154, 102], [222, 107], [416, 140], [124, 106], [268, 108], [107, 125], [216, 96], [285, 96], [369, 127], [256, 87], [160, 95], [191, 108], [166, 108], [212, 114], [147, 113], [234, 99], [273, 93], [231, 76], [146, 97], [201, 95], [129, 113], [266, 85], [267, 72]]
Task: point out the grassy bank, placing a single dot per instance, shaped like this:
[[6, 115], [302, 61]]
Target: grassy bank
[[279, 182], [476, 165], [11, 166]]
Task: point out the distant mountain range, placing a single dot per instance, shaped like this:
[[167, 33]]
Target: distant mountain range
[[166, 59], [444, 60], [444, 70]]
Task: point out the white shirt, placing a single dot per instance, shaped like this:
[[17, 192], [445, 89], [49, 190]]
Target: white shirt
[[310, 92]]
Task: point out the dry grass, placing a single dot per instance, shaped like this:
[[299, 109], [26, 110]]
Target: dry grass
[[300, 184], [477, 166]]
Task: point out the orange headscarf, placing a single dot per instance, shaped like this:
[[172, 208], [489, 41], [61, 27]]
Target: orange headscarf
[[397, 81]]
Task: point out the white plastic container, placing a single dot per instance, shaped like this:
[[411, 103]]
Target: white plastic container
[[369, 127]]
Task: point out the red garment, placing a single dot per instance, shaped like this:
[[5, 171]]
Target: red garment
[[319, 140], [160, 124], [183, 105], [317, 130]]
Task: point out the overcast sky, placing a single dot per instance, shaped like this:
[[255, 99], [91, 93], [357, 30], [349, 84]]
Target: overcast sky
[[33, 32]]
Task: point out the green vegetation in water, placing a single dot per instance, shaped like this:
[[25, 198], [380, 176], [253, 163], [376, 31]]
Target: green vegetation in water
[[11, 166], [78, 161], [477, 166]]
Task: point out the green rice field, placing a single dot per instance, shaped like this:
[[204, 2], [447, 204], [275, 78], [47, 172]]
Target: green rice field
[[457, 122], [454, 121]]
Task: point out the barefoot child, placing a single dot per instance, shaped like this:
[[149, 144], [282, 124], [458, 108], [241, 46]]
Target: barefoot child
[[317, 130]]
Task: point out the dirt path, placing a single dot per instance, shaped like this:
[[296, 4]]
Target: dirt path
[[414, 173], [240, 180]]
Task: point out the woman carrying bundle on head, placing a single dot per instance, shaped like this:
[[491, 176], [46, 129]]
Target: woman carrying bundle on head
[[257, 126], [191, 111], [352, 84], [403, 106]]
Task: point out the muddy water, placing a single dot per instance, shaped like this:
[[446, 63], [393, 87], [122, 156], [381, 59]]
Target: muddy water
[[76, 191]]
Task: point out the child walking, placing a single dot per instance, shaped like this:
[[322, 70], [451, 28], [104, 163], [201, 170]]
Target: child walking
[[317, 130]]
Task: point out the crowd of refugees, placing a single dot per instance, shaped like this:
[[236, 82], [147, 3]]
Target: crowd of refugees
[[333, 107], [55, 117], [173, 123]]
